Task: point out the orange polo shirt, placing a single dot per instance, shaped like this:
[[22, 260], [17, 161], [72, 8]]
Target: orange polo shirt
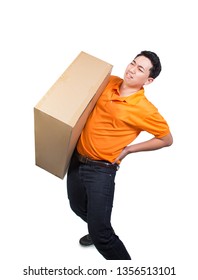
[[116, 121]]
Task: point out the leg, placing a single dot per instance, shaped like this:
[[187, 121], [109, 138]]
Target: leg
[[76, 190], [99, 183]]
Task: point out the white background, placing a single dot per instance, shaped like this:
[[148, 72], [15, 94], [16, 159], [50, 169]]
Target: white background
[[155, 208]]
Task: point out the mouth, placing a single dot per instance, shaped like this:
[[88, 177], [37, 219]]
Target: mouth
[[129, 76]]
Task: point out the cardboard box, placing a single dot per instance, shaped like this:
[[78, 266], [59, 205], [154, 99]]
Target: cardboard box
[[60, 115]]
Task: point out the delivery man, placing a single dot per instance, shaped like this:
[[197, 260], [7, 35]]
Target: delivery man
[[121, 113]]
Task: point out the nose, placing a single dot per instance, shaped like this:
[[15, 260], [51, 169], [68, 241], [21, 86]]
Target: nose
[[132, 69]]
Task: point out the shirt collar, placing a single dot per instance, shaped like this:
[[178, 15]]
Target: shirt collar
[[131, 99]]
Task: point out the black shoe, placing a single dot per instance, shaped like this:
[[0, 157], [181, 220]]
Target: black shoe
[[86, 240]]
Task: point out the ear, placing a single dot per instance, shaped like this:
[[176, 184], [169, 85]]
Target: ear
[[149, 81]]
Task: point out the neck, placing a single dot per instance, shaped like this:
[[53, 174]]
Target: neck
[[127, 91]]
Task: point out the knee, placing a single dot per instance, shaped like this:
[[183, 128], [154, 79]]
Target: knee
[[79, 212]]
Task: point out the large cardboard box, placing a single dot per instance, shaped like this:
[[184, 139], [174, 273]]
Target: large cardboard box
[[60, 115]]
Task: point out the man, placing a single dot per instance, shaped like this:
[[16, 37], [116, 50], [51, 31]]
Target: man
[[121, 113]]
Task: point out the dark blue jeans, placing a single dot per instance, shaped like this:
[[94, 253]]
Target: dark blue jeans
[[91, 192]]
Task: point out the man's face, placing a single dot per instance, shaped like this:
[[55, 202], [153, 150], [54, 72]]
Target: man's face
[[137, 72]]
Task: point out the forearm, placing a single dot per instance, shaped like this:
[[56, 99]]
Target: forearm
[[149, 145]]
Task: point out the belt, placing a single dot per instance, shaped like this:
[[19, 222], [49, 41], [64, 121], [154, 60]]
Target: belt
[[102, 163]]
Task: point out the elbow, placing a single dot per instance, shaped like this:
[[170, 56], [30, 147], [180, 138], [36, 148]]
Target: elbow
[[169, 140], [169, 143]]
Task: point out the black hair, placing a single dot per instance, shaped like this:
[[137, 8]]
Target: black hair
[[156, 68]]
